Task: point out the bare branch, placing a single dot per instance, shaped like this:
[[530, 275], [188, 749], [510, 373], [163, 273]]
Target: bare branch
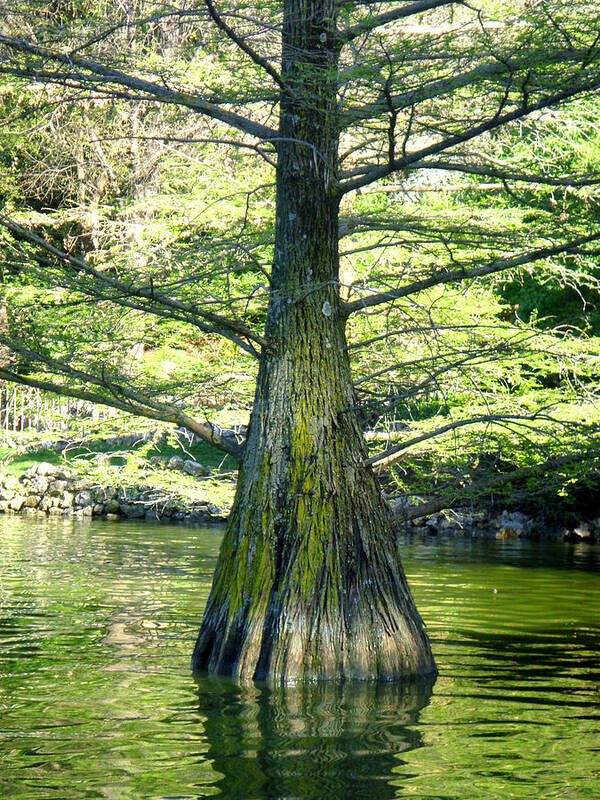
[[508, 174], [448, 276], [219, 324], [497, 121], [99, 73], [384, 460], [489, 70], [369, 24], [126, 401], [548, 467], [236, 39]]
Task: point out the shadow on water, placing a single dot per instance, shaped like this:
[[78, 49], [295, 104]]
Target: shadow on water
[[310, 741]]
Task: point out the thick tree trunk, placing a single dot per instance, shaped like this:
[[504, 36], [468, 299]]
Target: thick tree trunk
[[309, 583]]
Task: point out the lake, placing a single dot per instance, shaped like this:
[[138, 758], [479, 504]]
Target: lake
[[97, 625]]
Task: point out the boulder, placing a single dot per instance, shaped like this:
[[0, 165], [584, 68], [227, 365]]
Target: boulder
[[45, 468], [194, 468], [17, 503], [132, 510], [83, 498], [67, 499]]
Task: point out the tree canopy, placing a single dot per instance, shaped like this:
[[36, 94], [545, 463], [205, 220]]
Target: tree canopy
[[340, 135]]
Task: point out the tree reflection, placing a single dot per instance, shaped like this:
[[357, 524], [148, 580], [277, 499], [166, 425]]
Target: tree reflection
[[311, 741]]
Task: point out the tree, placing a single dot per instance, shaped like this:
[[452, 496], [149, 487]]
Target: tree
[[336, 97]]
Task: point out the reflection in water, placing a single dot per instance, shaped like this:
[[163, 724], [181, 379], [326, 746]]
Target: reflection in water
[[97, 701], [311, 741]]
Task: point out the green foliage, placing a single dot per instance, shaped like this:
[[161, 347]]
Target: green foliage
[[161, 198]]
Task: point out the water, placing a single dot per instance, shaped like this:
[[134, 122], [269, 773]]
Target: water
[[97, 622]]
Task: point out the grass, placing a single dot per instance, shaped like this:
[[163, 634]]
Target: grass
[[99, 462]]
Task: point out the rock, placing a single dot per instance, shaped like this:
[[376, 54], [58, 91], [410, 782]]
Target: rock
[[132, 510], [87, 511], [4, 506], [113, 517], [83, 498], [405, 502], [447, 524], [195, 468], [583, 531], [45, 468], [216, 512], [112, 506], [175, 462], [65, 474], [98, 509], [507, 533], [67, 499], [40, 484], [32, 501], [511, 525], [17, 503], [58, 487]]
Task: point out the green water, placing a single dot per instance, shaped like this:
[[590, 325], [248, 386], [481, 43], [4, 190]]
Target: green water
[[97, 622]]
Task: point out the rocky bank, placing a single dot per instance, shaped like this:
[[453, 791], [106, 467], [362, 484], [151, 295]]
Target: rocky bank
[[48, 490]]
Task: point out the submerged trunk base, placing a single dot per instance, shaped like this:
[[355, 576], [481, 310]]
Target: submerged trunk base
[[309, 584]]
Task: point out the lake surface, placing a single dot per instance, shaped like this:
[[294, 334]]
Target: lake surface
[[98, 620]]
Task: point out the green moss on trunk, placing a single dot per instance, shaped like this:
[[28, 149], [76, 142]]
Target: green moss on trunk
[[309, 584]]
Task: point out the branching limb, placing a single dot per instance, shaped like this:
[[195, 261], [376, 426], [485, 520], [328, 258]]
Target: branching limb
[[238, 40], [450, 276], [373, 22], [133, 405], [497, 121], [86, 72], [384, 460], [548, 467], [495, 69], [230, 328], [508, 174]]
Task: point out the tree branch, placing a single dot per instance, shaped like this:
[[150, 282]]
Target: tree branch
[[159, 411], [114, 77], [220, 325], [384, 460], [497, 121], [507, 175], [466, 274], [490, 69], [237, 40], [369, 24], [548, 467]]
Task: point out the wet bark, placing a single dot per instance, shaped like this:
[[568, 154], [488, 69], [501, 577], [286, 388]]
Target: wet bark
[[309, 584]]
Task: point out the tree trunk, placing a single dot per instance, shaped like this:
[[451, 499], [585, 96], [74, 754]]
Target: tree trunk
[[309, 583]]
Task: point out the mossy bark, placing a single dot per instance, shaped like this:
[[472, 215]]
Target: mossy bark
[[309, 583]]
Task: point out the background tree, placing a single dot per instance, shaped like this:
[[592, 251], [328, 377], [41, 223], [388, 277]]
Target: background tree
[[336, 100]]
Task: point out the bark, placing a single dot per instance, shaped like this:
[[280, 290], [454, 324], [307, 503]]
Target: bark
[[309, 584]]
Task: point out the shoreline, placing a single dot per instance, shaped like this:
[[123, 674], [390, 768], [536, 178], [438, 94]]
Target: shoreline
[[49, 490]]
